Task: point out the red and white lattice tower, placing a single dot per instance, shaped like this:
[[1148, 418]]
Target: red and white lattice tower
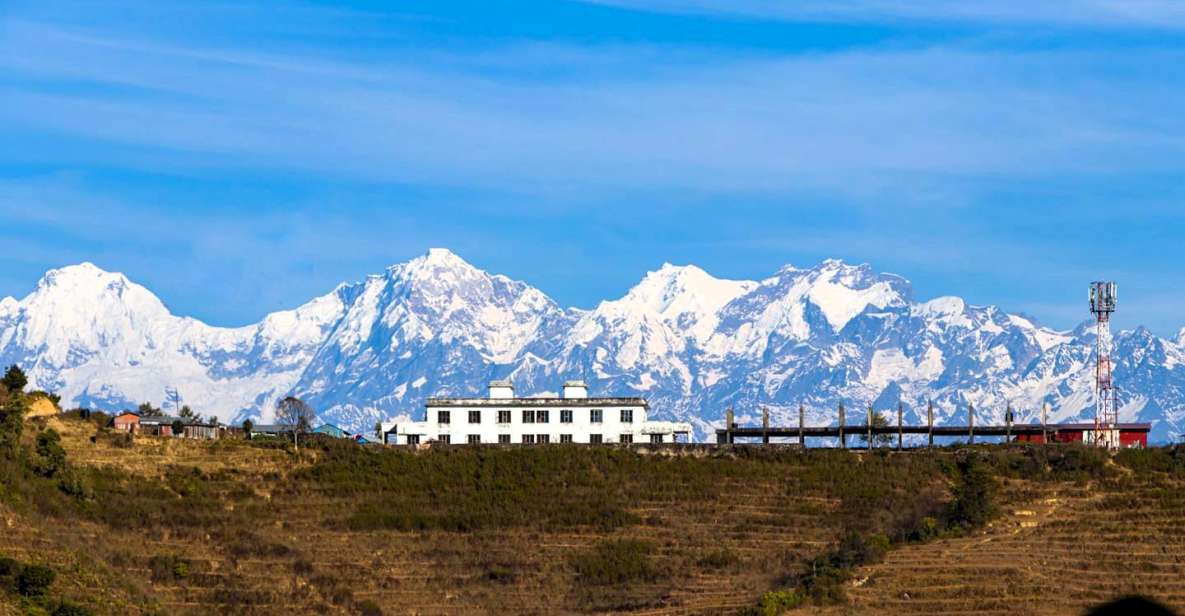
[[1106, 419]]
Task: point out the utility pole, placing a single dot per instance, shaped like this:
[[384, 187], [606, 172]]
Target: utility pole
[[1008, 423], [729, 424], [765, 425]]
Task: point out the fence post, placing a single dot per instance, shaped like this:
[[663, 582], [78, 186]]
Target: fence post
[[970, 423], [869, 427], [801, 438], [900, 415], [930, 420], [1044, 427], [843, 438]]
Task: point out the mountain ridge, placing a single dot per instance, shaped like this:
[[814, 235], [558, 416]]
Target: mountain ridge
[[692, 343]]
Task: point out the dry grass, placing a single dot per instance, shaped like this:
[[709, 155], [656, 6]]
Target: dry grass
[[188, 527]]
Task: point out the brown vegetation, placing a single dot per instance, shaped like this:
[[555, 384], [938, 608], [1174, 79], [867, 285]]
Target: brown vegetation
[[157, 525]]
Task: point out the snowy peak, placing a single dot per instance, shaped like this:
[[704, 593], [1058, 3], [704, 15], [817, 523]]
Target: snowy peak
[[687, 298], [691, 343]]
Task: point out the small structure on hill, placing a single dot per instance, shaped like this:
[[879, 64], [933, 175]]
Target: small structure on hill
[[126, 421], [502, 418]]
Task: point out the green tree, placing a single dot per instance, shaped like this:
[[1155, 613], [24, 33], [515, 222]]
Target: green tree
[[51, 458], [878, 421], [974, 495], [147, 410], [34, 580], [12, 424], [14, 379], [187, 414], [178, 427], [248, 426]]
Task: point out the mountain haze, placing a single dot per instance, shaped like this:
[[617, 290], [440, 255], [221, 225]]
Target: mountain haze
[[691, 343]]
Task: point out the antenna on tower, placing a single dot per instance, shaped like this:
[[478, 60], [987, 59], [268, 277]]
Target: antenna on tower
[[173, 398], [1103, 296]]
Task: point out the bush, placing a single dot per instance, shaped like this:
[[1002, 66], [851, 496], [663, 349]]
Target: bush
[[974, 493], [616, 562], [69, 608], [775, 602], [369, 608], [167, 568], [34, 580], [50, 458], [718, 559]]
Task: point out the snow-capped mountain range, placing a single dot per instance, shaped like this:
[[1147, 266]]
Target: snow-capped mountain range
[[692, 344]]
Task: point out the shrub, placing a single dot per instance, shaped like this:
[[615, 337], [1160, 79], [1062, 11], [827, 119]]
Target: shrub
[[69, 608], [718, 559], [616, 562], [34, 580], [50, 458], [775, 602], [974, 493], [166, 568], [368, 607]]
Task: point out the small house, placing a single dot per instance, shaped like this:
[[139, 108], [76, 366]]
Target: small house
[[160, 425], [126, 421], [331, 430]]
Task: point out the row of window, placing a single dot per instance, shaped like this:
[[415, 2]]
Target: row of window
[[532, 439], [530, 417]]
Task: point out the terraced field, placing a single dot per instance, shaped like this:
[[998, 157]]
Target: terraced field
[[1068, 548]]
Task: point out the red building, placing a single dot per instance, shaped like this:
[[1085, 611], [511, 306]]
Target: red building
[[1130, 434], [126, 421]]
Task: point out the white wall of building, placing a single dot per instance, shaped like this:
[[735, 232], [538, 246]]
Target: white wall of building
[[614, 425]]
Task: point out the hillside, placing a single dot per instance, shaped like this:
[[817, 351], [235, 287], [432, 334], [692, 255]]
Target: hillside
[[173, 526], [692, 344]]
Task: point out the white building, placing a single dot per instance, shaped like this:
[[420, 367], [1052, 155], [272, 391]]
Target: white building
[[503, 418]]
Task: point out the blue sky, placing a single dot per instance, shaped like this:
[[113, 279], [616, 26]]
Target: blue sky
[[241, 159]]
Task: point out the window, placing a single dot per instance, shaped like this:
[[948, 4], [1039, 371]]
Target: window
[[594, 416], [504, 439], [528, 416], [474, 439], [627, 438], [443, 417], [565, 416], [596, 439], [474, 417], [627, 416], [528, 439], [503, 417], [543, 439], [565, 438], [542, 416], [444, 438], [413, 439], [655, 438]]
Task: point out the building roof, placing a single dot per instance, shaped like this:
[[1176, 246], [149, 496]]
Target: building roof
[[1131, 427], [549, 402]]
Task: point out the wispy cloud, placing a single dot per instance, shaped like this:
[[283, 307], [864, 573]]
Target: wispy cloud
[[884, 117], [1097, 13]]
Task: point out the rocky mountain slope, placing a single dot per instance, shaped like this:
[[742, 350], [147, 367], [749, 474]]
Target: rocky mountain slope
[[692, 344]]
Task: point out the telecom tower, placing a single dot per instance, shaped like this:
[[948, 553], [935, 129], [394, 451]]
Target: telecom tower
[[1106, 418]]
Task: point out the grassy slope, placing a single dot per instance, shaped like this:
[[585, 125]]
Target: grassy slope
[[341, 529]]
